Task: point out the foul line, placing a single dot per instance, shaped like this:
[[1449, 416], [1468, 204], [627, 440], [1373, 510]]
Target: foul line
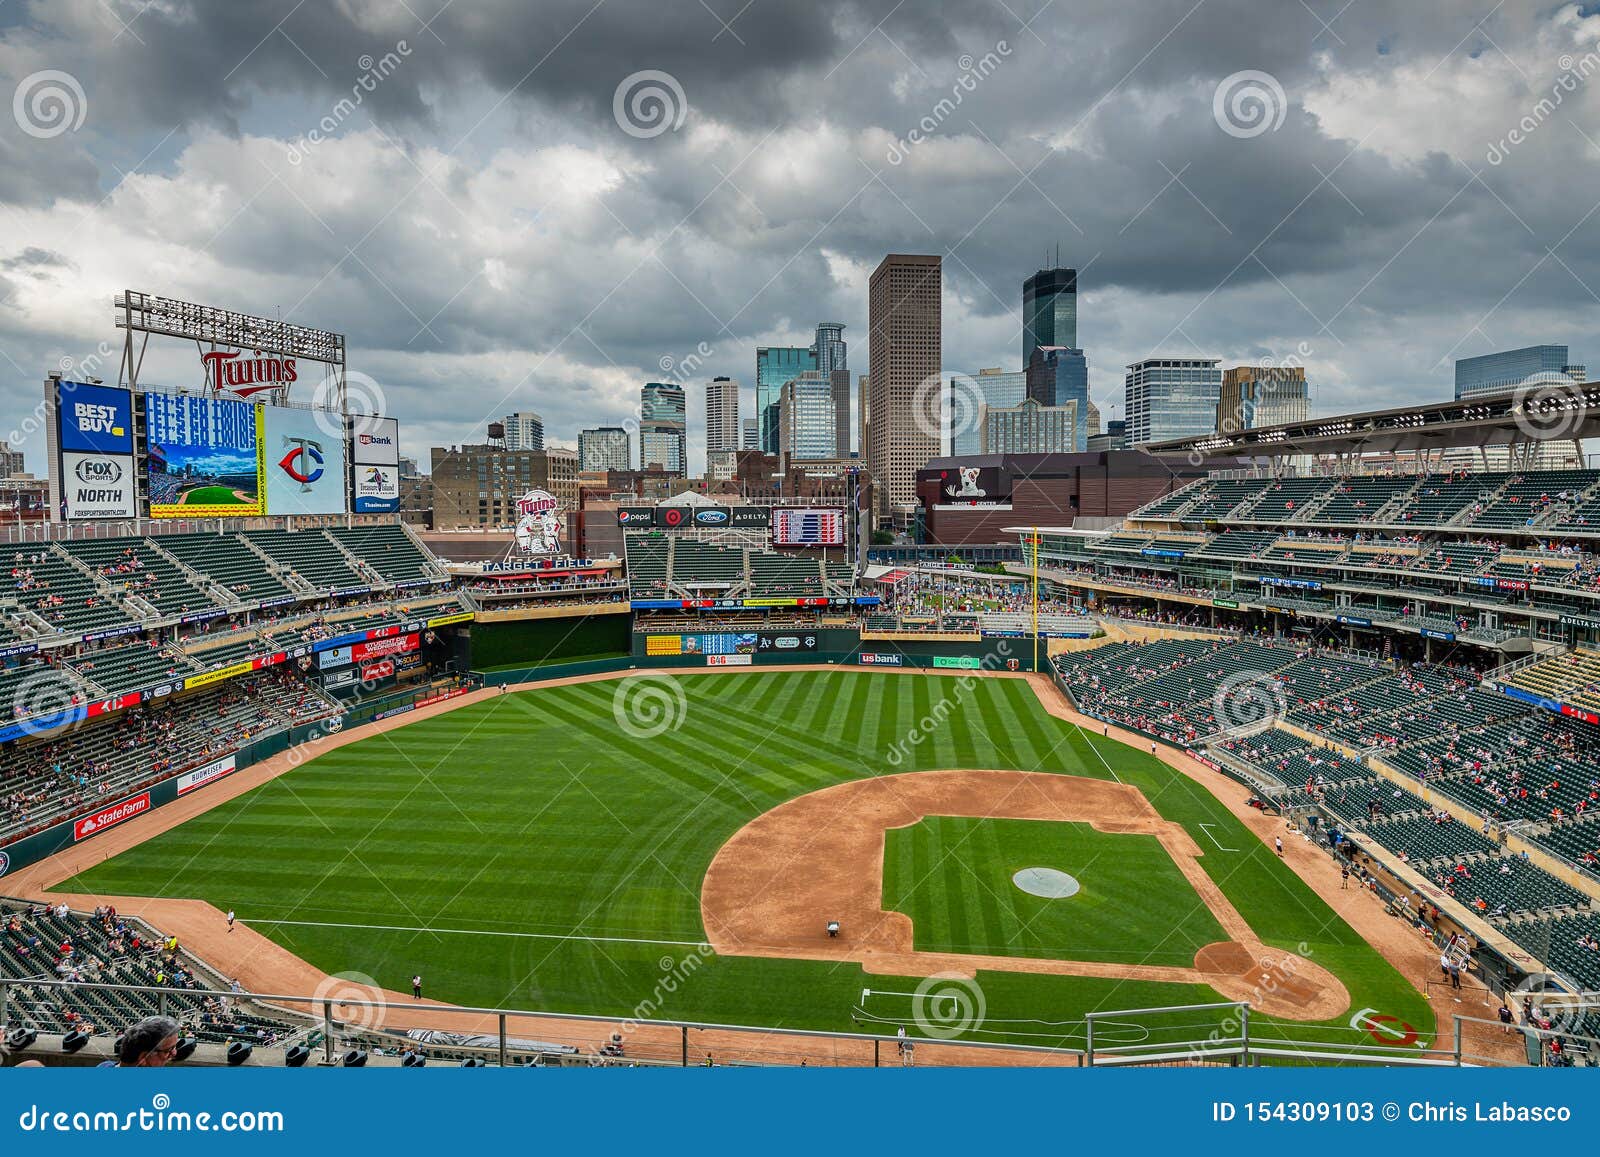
[[478, 932], [1207, 829]]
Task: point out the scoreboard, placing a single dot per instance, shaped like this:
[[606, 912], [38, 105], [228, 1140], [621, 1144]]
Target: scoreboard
[[803, 526]]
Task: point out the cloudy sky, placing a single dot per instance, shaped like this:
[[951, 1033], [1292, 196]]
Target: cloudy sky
[[501, 214]]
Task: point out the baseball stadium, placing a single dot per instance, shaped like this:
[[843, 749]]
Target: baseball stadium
[[1293, 765]]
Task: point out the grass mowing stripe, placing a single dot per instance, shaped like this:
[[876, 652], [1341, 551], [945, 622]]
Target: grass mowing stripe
[[621, 850]]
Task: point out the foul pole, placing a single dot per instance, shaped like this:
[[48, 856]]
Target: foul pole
[[1034, 541]]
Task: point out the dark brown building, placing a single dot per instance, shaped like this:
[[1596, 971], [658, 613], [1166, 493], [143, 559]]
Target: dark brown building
[[1086, 490]]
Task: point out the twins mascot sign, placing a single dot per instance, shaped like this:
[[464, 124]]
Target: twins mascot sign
[[538, 525]]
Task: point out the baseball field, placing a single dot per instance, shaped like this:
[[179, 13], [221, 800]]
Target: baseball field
[[565, 847]]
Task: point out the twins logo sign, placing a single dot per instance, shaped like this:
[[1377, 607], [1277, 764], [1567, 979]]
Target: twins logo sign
[[303, 462]]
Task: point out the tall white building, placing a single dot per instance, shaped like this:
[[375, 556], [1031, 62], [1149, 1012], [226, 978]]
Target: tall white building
[[722, 414], [604, 448], [807, 421], [1171, 398], [524, 431], [750, 435]]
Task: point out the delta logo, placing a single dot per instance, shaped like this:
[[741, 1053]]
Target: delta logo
[[111, 816], [95, 419]]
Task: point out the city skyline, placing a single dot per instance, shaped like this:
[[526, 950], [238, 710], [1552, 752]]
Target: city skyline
[[1402, 229]]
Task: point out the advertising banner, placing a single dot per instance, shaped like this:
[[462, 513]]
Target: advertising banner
[[395, 646], [377, 489], [305, 463], [335, 657], [641, 517], [209, 773], [95, 419], [206, 457], [382, 669], [374, 441], [663, 645], [95, 440], [111, 816], [729, 660], [879, 659], [98, 485]]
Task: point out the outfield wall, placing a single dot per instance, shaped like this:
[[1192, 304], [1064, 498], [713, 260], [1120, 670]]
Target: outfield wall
[[989, 654], [531, 641]]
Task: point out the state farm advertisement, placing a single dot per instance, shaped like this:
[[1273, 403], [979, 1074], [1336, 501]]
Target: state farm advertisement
[[111, 816], [380, 647]]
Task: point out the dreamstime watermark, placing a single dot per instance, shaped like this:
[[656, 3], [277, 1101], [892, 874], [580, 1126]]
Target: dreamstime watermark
[[675, 370], [1549, 406], [675, 974], [335, 992], [1248, 699], [946, 409], [373, 74], [649, 705], [1573, 73], [648, 103], [1249, 103], [1272, 976], [363, 397], [45, 700], [48, 103], [1255, 407], [939, 714], [39, 418], [948, 1005], [972, 72], [1557, 1006]]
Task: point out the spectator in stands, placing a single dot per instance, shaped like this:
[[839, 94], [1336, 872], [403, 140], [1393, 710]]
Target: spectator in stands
[[151, 1043]]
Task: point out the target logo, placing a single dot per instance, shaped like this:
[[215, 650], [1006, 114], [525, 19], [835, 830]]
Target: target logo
[[672, 516]]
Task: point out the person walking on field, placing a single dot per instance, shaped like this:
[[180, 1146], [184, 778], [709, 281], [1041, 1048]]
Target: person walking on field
[[230, 919], [416, 987], [1278, 842]]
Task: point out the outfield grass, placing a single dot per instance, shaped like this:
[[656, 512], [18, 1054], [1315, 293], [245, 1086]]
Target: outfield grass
[[533, 815], [213, 496], [952, 876]]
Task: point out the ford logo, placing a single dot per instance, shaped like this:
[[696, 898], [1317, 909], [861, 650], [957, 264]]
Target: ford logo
[[711, 517]]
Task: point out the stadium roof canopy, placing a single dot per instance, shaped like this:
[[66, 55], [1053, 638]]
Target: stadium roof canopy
[[1542, 413]]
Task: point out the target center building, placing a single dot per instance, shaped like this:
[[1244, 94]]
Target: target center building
[[971, 500]]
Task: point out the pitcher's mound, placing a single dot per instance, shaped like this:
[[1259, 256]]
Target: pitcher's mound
[[1046, 882]]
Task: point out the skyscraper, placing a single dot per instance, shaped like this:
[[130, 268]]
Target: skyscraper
[[806, 422], [904, 351], [840, 382], [1256, 396], [750, 437], [1058, 376], [663, 427], [774, 366], [524, 431], [1030, 428], [1504, 371], [829, 348], [1171, 398], [1049, 311], [722, 414], [605, 448], [970, 395]]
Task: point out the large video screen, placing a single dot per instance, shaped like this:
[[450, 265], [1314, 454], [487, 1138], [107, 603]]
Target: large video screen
[[304, 456], [802, 526], [206, 457], [94, 437]]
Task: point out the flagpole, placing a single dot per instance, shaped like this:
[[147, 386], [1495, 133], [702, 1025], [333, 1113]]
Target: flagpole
[[1036, 600]]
